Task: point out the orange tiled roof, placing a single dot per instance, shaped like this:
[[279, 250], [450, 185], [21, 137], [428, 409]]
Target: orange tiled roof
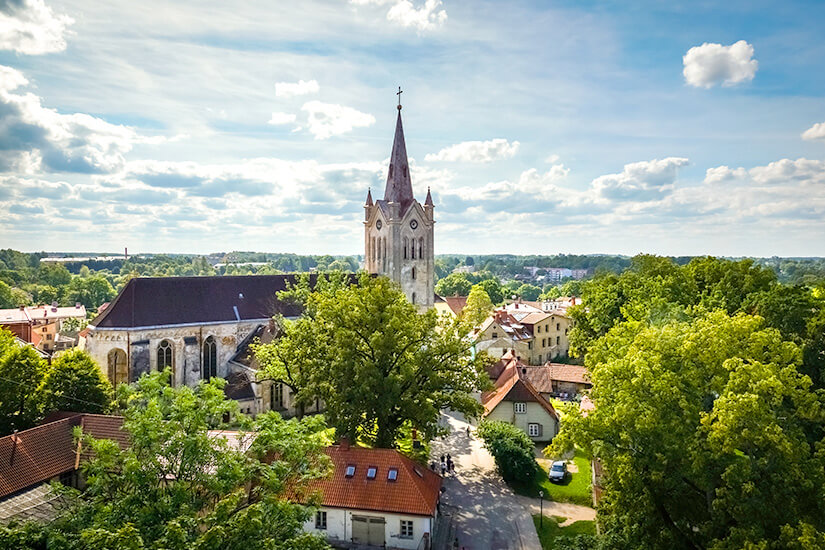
[[542, 377], [456, 303], [513, 385], [43, 452], [414, 492]]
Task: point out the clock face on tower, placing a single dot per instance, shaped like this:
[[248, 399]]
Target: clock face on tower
[[414, 224], [378, 225]]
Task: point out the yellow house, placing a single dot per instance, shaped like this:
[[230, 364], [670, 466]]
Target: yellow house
[[450, 305], [536, 336], [515, 401]]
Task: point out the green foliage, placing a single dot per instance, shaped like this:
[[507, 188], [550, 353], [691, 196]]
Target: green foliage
[[378, 364], [21, 371], [75, 382], [528, 292], [454, 284], [512, 450], [493, 289], [575, 488], [710, 436], [579, 535], [91, 291], [478, 307], [178, 486]]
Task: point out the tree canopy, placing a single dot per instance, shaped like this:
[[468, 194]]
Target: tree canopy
[[179, 486], [74, 382], [378, 364]]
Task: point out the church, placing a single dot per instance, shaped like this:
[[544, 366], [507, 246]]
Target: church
[[201, 327]]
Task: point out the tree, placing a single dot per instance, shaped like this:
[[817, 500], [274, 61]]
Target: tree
[[469, 261], [528, 292], [492, 287], [477, 308], [12, 297], [376, 362], [454, 284], [21, 371], [91, 291], [512, 450], [179, 486], [54, 274], [710, 436], [75, 383]]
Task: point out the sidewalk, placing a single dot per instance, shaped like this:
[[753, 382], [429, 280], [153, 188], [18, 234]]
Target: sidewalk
[[573, 512]]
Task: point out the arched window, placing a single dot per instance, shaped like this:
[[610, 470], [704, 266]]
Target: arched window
[[413, 274], [276, 397], [406, 243], [412, 249], [165, 355], [421, 248], [413, 297], [118, 368], [210, 359]]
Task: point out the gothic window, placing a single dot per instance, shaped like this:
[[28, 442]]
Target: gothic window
[[118, 368], [165, 355], [210, 359], [413, 297], [276, 397], [413, 274], [379, 248], [421, 248], [412, 249], [406, 243]]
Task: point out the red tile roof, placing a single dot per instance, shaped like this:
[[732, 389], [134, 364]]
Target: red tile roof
[[456, 303], [43, 452], [513, 385], [414, 492], [542, 377]]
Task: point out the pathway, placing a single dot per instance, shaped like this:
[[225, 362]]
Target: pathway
[[486, 514]]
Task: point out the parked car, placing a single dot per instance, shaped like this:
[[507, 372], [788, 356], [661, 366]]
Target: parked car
[[558, 471]]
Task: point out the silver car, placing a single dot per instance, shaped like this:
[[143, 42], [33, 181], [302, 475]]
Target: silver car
[[558, 471]]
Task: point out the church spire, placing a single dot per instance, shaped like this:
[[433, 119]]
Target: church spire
[[399, 185], [429, 200], [369, 197]]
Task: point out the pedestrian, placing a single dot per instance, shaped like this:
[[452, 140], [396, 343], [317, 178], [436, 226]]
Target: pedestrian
[[449, 465], [468, 431], [452, 467], [442, 458], [443, 468], [449, 458]]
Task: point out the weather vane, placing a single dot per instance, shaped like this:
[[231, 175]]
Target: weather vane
[[399, 97]]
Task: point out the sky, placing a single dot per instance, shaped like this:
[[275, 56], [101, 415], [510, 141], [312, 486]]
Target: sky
[[674, 128]]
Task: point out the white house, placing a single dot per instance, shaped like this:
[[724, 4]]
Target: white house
[[376, 497]]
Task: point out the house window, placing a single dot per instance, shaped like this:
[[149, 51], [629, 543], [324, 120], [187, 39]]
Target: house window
[[529, 345], [558, 340], [546, 328], [406, 529], [534, 430], [392, 474], [276, 396], [210, 358], [165, 356], [350, 471], [543, 342], [495, 335], [371, 472], [521, 408], [539, 358], [539, 329], [320, 519], [558, 326]]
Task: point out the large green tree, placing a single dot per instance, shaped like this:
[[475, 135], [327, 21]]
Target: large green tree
[[478, 307], [91, 291], [454, 284], [75, 382], [378, 364], [709, 434], [179, 486], [21, 371]]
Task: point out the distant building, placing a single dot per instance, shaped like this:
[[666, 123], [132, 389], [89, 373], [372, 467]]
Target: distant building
[[376, 498], [451, 305], [42, 325], [537, 336]]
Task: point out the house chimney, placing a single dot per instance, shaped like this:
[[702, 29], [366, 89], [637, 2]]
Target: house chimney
[[77, 305], [344, 444]]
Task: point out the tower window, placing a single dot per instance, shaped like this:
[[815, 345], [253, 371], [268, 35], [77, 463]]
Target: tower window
[[421, 247], [413, 273], [413, 297]]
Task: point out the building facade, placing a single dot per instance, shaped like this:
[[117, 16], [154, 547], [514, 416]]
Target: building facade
[[398, 230]]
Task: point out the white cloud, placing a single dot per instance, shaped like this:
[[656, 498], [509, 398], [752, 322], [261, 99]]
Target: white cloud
[[31, 27], [476, 151], [790, 172], [817, 131], [426, 17], [711, 64], [282, 118], [552, 159], [639, 181], [292, 89], [722, 174], [325, 120]]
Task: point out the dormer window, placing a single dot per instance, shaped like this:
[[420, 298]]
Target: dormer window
[[371, 471], [350, 471], [392, 474]]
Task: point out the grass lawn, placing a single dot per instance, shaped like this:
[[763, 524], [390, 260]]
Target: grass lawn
[[548, 529], [575, 488]]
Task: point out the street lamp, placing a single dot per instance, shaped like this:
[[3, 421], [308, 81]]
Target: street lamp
[[541, 509]]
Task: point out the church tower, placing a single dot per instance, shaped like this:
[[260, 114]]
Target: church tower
[[398, 230]]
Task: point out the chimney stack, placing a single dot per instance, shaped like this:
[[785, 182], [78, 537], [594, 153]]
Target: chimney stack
[[344, 444]]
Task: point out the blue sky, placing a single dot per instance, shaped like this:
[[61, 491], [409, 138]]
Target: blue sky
[[541, 127]]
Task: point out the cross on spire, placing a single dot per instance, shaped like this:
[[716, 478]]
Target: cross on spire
[[399, 97]]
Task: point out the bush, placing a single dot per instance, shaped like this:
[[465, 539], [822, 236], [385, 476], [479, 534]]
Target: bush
[[511, 449]]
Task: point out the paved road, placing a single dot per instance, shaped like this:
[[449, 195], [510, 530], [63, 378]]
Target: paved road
[[487, 515], [573, 512]]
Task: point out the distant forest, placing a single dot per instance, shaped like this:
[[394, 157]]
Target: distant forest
[[25, 279]]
